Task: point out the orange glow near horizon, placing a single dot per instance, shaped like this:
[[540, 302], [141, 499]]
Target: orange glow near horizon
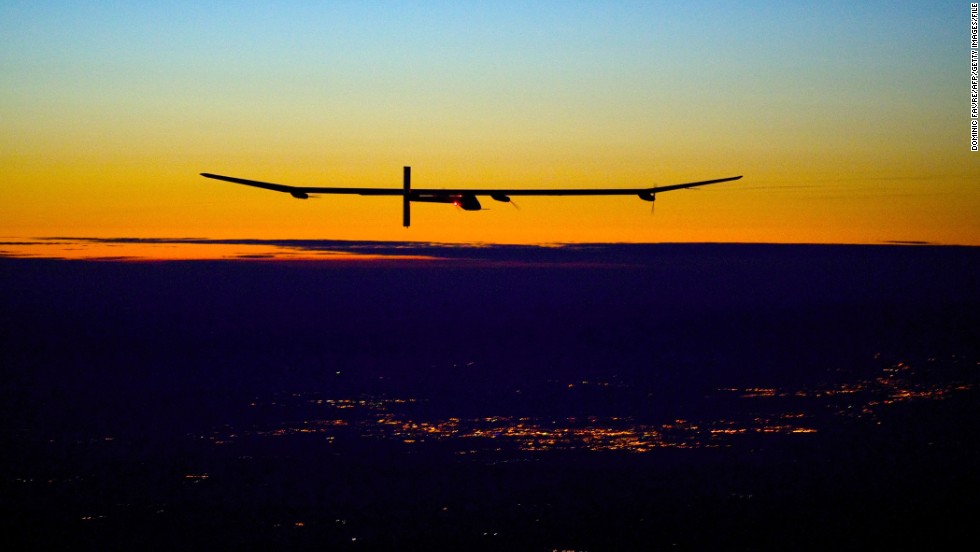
[[87, 250]]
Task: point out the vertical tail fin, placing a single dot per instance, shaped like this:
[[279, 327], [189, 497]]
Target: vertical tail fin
[[406, 197]]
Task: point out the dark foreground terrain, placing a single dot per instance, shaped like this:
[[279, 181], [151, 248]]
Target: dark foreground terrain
[[617, 397]]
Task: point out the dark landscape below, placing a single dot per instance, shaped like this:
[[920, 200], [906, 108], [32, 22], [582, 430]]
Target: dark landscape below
[[600, 398]]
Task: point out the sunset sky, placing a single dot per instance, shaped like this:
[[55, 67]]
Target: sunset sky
[[849, 120]]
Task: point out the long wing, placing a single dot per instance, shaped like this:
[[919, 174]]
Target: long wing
[[303, 191]]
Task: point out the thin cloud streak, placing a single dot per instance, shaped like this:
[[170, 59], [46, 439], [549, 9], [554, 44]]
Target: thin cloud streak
[[609, 255]]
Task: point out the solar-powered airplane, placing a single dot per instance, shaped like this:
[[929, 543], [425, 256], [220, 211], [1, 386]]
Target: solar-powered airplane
[[466, 199]]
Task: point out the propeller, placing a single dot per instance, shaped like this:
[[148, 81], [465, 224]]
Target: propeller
[[505, 199], [652, 198], [653, 201]]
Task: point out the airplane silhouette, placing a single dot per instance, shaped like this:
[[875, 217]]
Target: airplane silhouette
[[463, 198]]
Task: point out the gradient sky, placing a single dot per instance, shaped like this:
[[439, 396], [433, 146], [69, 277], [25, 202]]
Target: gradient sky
[[850, 121]]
